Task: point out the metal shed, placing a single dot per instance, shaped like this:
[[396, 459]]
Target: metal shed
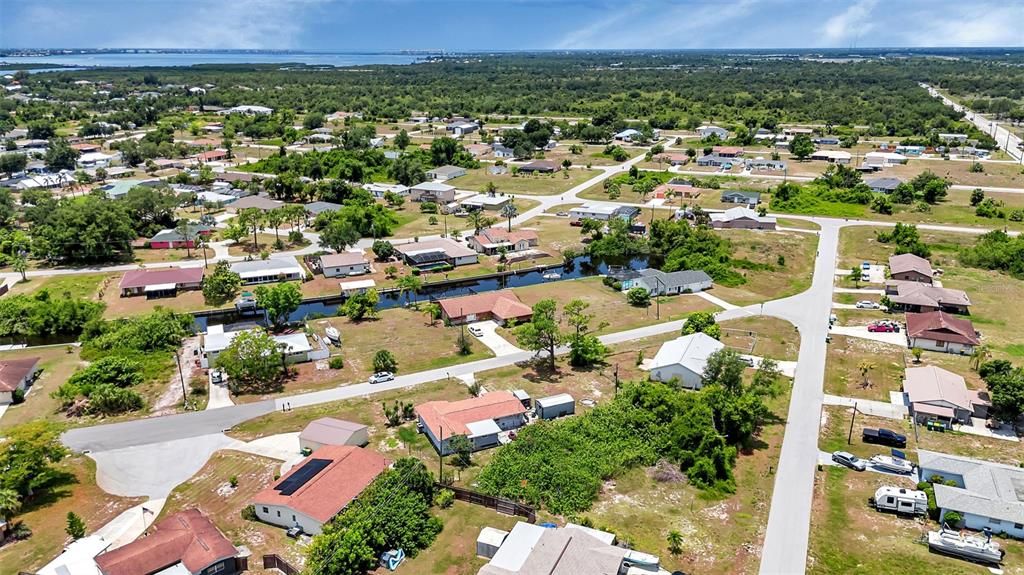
[[555, 406]]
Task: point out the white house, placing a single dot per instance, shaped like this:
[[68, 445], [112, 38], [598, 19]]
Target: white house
[[683, 359], [480, 419], [16, 374], [884, 159], [985, 494], [940, 331], [832, 156], [344, 264], [432, 192], [603, 212], [657, 282], [269, 270], [295, 346], [705, 131], [94, 160], [443, 173]]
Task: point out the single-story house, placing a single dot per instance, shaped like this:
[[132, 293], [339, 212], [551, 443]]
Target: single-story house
[[86, 147], [461, 128], [953, 137], [673, 159], [117, 190], [603, 212], [657, 282], [763, 164], [883, 185], [923, 297], [477, 150], [379, 190], [911, 268], [742, 218], [235, 177], [443, 173], [715, 160], [939, 331], [94, 160], [16, 374], [683, 359], [705, 131], [985, 494], [319, 487], [275, 269], [356, 287], [910, 150], [481, 419], [260, 202], [248, 110], [491, 240], [797, 131], [936, 393], [832, 156], [432, 192], [486, 202], [317, 208], [502, 152], [160, 282], [295, 346], [501, 306], [627, 135], [540, 167], [428, 254], [173, 238], [185, 543], [168, 163], [212, 155], [727, 151], [826, 141], [331, 431], [884, 158], [741, 197], [344, 264], [679, 188]]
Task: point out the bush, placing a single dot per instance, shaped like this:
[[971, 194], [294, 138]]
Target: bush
[[416, 271], [638, 297], [952, 518], [18, 396], [336, 362], [233, 481], [444, 498], [249, 513], [295, 237]]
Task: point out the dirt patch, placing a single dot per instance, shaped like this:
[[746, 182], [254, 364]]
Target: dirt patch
[[172, 397]]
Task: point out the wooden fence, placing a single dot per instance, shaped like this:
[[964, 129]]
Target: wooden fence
[[275, 562], [500, 505]]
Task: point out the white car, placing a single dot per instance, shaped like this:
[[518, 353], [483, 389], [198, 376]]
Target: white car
[[382, 376], [867, 304], [476, 330]]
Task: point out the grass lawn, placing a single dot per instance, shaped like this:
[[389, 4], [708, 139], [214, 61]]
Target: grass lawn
[[264, 242], [75, 285], [57, 363], [792, 276], [609, 306], [537, 185], [210, 491], [847, 536], [454, 550], [46, 516], [997, 175], [413, 223], [416, 345], [762, 336], [117, 306], [145, 256], [845, 357], [798, 224]]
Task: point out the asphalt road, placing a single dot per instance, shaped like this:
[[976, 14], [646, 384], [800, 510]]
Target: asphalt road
[[1006, 140]]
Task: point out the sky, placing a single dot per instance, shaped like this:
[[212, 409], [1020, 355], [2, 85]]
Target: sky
[[456, 25]]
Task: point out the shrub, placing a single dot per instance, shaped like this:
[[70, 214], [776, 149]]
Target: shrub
[[416, 271], [638, 297], [233, 481], [249, 513], [952, 518], [295, 237], [336, 362], [444, 498], [18, 396]]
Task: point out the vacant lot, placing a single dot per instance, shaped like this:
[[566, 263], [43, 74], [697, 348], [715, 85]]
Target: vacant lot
[[413, 223], [762, 336], [454, 550], [999, 175], [73, 285], [264, 243], [46, 516], [862, 368], [785, 262], [537, 185]]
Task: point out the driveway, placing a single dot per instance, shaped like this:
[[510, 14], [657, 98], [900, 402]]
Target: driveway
[[894, 338], [499, 345], [869, 406]]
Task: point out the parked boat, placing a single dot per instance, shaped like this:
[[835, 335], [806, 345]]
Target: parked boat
[[333, 334], [552, 276], [892, 464], [969, 547]]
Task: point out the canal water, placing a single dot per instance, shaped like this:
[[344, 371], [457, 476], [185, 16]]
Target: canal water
[[580, 267]]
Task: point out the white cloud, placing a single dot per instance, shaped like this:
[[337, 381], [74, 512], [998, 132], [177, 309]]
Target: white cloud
[[849, 25], [971, 24]]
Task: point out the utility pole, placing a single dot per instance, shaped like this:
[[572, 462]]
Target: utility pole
[[849, 436], [657, 298], [181, 376], [440, 454], [616, 379]]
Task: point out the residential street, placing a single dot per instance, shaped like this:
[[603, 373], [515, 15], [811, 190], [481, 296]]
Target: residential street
[[1008, 141]]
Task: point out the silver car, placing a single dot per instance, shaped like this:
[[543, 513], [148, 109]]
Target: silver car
[[867, 304], [849, 460], [381, 377]]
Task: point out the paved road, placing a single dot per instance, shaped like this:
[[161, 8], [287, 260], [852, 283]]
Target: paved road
[[1006, 140]]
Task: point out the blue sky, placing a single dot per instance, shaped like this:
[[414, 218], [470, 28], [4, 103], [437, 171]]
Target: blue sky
[[509, 24]]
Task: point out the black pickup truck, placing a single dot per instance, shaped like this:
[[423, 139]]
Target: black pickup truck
[[884, 437]]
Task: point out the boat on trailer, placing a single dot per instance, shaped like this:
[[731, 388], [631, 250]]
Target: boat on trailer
[[892, 464], [969, 547]]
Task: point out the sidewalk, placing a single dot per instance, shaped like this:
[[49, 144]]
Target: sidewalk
[[868, 406], [716, 300]]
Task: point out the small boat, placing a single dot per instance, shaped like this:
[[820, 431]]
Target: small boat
[[892, 464], [969, 547], [333, 334], [552, 276]]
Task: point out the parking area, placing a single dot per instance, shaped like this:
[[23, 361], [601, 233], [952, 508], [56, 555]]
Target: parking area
[[486, 332], [861, 331]]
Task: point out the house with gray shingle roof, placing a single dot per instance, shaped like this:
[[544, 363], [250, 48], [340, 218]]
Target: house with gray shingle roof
[[657, 282], [985, 494]]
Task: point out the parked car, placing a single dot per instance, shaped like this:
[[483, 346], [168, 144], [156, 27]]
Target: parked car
[[865, 265], [747, 360], [294, 532], [216, 376], [883, 436], [880, 327], [382, 376], [562, 214], [849, 460], [867, 304], [476, 330]]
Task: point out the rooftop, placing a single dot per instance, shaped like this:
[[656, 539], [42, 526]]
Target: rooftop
[[260, 202], [502, 304], [330, 431], [739, 212], [923, 294], [902, 263], [940, 326], [343, 259], [534, 550], [14, 371], [279, 265], [989, 489], [448, 418], [690, 351], [143, 278], [187, 537], [928, 384], [448, 246]]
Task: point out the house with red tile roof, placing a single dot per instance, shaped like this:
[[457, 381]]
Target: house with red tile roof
[[480, 419], [16, 374], [500, 306], [160, 282], [212, 155], [186, 543], [940, 331], [491, 240], [319, 487]]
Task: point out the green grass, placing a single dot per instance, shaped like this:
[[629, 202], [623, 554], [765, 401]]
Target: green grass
[[76, 285], [539, 185]]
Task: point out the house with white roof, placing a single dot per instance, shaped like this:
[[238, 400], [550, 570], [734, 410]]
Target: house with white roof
[[436, 192], [742, 218], [295, 346], [705, 131], [279, 269], [603, 212], [683, 359], [986, 494], [832, 156], [884, 159]]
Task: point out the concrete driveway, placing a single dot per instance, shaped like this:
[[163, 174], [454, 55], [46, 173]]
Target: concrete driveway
[[499, 345], [894, 338], [868, 406]]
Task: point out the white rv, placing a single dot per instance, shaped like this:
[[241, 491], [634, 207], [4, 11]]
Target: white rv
[[899, 500]]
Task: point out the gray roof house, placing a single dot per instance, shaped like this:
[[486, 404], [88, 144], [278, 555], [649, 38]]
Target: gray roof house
[[986, 494], [683, 359], [657, 282], [883, 185], [446, 173], [741, 197], [316, 208]]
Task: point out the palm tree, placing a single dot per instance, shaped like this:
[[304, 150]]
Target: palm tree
[[865, 367], [409, 283], [10, 503], [509, 211], [479, 221], [675, 542], [980, 354], [432, 310], [275, 218]]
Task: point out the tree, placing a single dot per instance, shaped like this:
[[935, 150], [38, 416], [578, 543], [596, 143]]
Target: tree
[[541, 333], [222, 285], [252, 362], [75, 526], [409, 283], [279, 301], [29, 454], [60, 155], [407, 170], [917, 353], [20, 265], [638, 296], [83, 229], [384, 360], [339, 235], [865, 367], [274, 219], [11, 163], [1006, 388], [702, 321], [584, 347], [252, 219], [980, 355], [801, 146], [361, 305], [443, 150], [881, 204], [10, 503], [509, 211], [675, 542], [977, 195], [479, 220], [312, 121], [402, 140], [383, 249], [462, 448], [433, 312]]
